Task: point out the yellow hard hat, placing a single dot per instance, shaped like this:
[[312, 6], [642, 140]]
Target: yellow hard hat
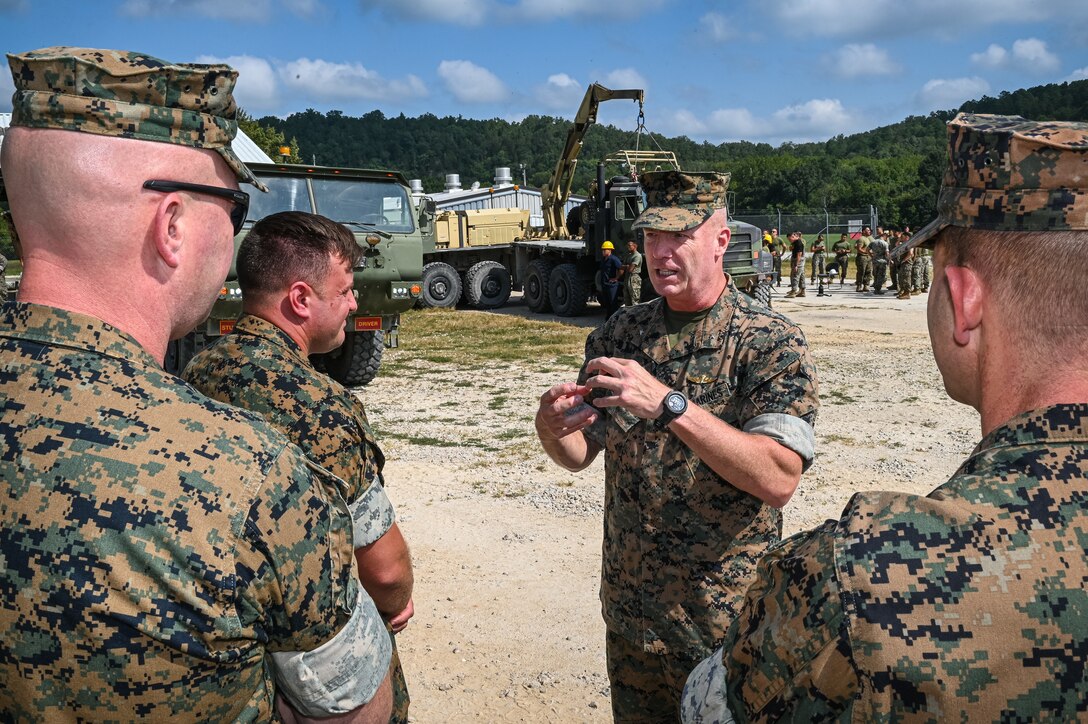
[[607, 245]]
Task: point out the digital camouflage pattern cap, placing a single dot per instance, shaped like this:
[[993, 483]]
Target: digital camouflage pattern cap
[[677, 201], [1007, 173], [129, 95]]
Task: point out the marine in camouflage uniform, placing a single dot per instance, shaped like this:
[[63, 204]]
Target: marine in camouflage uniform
[[680, 540], [966, 604], [920, 271], [632, 276], [3, 271], [863, 261], [166, 557], [260, 367], [878, 247]]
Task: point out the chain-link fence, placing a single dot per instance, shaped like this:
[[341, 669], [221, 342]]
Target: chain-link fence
[[816, 222]]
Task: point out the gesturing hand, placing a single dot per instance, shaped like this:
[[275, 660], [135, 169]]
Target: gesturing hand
[[629, 384]]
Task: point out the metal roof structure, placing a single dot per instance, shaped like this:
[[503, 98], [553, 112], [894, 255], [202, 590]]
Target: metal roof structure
[[242, 144], [502, 194]]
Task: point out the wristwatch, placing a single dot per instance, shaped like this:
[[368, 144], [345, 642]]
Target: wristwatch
[[673, 406]]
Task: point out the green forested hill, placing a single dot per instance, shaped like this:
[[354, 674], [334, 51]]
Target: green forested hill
[[896, 167]]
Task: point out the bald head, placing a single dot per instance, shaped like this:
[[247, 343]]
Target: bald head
[[95, 241]]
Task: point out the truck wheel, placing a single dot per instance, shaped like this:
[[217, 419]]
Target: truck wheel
[[568, 291], [536, 285], [761, 292], [487, 285], [441, 286], [180, 351], [357, 360]]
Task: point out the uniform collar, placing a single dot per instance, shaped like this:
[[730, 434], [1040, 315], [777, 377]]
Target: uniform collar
[[63, 328], [255, 326], [1066, 423], [707, 333]]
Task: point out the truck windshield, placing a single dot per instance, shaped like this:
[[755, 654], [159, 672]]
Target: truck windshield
[[382, 205]]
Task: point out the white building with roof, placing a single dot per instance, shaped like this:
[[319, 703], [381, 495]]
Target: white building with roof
[[503, 193]]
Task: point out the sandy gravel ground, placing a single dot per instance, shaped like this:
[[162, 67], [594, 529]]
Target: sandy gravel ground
[[507, 545]]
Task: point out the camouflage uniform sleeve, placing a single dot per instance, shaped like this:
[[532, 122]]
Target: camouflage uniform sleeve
[[371, 509], [779, 391], [297, 580], [787, 655]]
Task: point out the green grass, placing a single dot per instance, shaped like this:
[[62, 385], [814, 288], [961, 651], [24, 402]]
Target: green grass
[[464, 338], [836, 397]]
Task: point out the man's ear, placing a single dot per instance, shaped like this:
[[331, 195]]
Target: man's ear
[[723, 239], [966, 291], [167, 228], [300, 296]]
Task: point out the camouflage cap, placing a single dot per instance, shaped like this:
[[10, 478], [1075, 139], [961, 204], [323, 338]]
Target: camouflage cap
[[130, 95], [1007, 173], [677, 201]]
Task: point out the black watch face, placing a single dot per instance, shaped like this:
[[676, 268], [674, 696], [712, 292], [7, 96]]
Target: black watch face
[[675, 402]]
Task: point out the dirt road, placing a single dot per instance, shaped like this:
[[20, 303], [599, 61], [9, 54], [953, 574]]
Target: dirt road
[[507, 545]]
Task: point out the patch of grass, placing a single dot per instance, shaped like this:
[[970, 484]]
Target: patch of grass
[[565, 484], [912, 398], [512, 434], [450, 403], [464, 338], [496, 402], [837, 397], [423, 440], [844, 439], [462, 383]]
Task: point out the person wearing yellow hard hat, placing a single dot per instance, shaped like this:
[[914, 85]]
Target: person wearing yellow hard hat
[[610, 279]]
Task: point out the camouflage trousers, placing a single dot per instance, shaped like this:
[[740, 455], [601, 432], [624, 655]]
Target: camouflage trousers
[[844, 266], [400, 686], [864, 274], [903, 281], [919, 278], [797, 276], [632, 291], [646, 688], [819, 266], [880, 276]]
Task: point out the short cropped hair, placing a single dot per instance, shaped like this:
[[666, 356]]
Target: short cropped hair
[[1037, 276], [291, 246]]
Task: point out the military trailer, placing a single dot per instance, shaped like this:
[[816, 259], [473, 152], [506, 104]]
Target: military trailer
[[377, 206]]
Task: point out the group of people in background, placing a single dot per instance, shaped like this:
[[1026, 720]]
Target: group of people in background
[[877, 268]]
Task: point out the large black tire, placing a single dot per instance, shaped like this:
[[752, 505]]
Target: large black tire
[[574, 222], [761, 292], [487, 285], [357, 360], [441, 286], [537, 295], [180, 351], [568, 292]]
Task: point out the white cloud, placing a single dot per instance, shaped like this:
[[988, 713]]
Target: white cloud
[[1032, 54], [947, 94], [323, 80], [817, 119], [253, 10], [470, 83], [1079, 74], [857, 60], [993, 57], [257, 83], [1029, 55], [561, 93], [624, 78], [479, 12], [13, 5], [844, 18], [716, 28], [305, 8]]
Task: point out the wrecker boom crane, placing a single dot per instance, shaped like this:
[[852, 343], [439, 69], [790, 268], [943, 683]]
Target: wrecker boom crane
[[554, 195]]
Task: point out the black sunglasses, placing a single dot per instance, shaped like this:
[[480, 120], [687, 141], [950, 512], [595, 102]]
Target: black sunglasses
[[240, 199]]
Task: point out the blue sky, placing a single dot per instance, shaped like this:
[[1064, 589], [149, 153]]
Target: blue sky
[[714, 70]]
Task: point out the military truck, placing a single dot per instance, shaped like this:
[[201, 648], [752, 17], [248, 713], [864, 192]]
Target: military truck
[[377, 206], [556, 268]]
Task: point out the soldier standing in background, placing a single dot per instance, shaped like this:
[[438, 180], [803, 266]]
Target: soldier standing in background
[[842, 256], [919, 278], [632, 275], [966, 603], [905, 259], [878, 248], [776, 247], [703, 403], [863, 260], [295, 271], [167, 558], [3, 280], [797, 265], [819, 256]]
